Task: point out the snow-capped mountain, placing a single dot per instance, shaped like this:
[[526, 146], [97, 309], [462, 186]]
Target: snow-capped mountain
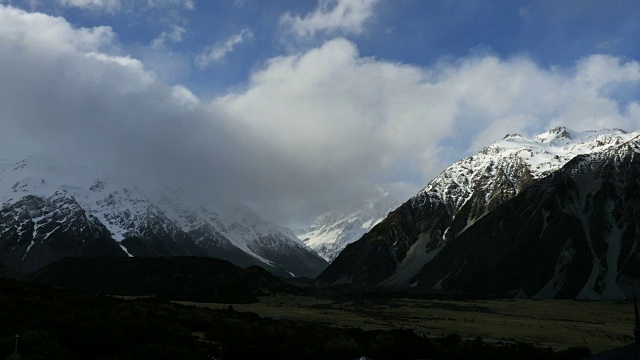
[[332, 232], [574, 234], [519, 160], [412, 236], [41, 201]]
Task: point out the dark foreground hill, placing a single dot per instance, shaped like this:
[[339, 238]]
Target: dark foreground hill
[[175, 278], [62, 324]]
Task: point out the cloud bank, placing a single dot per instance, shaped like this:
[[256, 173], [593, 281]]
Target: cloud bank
[[308, 132]]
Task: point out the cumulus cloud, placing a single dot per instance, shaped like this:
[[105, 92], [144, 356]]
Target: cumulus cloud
[[328, 108], [308, 132], [218, 51], [347, 16], [49, 34], [339, 118]]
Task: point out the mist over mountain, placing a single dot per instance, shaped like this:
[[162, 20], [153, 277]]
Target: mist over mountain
[[50, 211]]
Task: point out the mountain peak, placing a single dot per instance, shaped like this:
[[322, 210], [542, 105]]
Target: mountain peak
[[554, 134], [512, 136], [538, 157], [461, 197]]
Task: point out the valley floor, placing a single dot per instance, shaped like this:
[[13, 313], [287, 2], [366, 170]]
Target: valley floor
[[598, 325]]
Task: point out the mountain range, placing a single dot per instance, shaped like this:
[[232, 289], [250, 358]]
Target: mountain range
[[49, 211], [551, 216]]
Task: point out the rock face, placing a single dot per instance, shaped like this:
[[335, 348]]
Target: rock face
[[49, 212], [331, 233], [35, 231], [457, 216], [574, 234]]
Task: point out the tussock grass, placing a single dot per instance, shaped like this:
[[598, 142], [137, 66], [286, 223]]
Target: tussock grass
[[599, 325]]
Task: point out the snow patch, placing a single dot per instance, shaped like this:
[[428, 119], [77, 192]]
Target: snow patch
[[125, 249], [438, 285], [28, 248], [415, 259], [611, 290], [549, 290], [51, 232]]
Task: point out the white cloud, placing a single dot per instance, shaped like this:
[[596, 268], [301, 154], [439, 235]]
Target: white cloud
[[187, 4], [598, 71], [327, 108], [50, 34], [108, 5], [347, 16], [218, 51], [348, 119], [242, 3], [174, 35], [116, 5]]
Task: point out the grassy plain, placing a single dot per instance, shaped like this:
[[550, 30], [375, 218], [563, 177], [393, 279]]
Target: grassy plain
[[598, 325]]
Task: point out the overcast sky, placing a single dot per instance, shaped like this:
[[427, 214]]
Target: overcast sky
[[300, 107]]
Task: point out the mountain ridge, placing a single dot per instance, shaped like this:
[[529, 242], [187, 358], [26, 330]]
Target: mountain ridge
[[588, 222], [139, 222], [413, 235]]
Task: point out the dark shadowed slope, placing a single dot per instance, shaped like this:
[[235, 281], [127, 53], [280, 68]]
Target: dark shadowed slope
[[174, 278]]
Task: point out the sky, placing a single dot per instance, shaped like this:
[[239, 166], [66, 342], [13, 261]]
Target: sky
[[299, 107]]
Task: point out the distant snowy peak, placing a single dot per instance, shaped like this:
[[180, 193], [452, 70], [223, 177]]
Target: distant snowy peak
[[519, 159], [332, 232], [116, 203]]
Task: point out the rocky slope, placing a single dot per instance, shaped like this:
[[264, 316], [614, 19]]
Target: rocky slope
[[35, 231], [574, 234], [412, 236], [331, 233], [48, 212]]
